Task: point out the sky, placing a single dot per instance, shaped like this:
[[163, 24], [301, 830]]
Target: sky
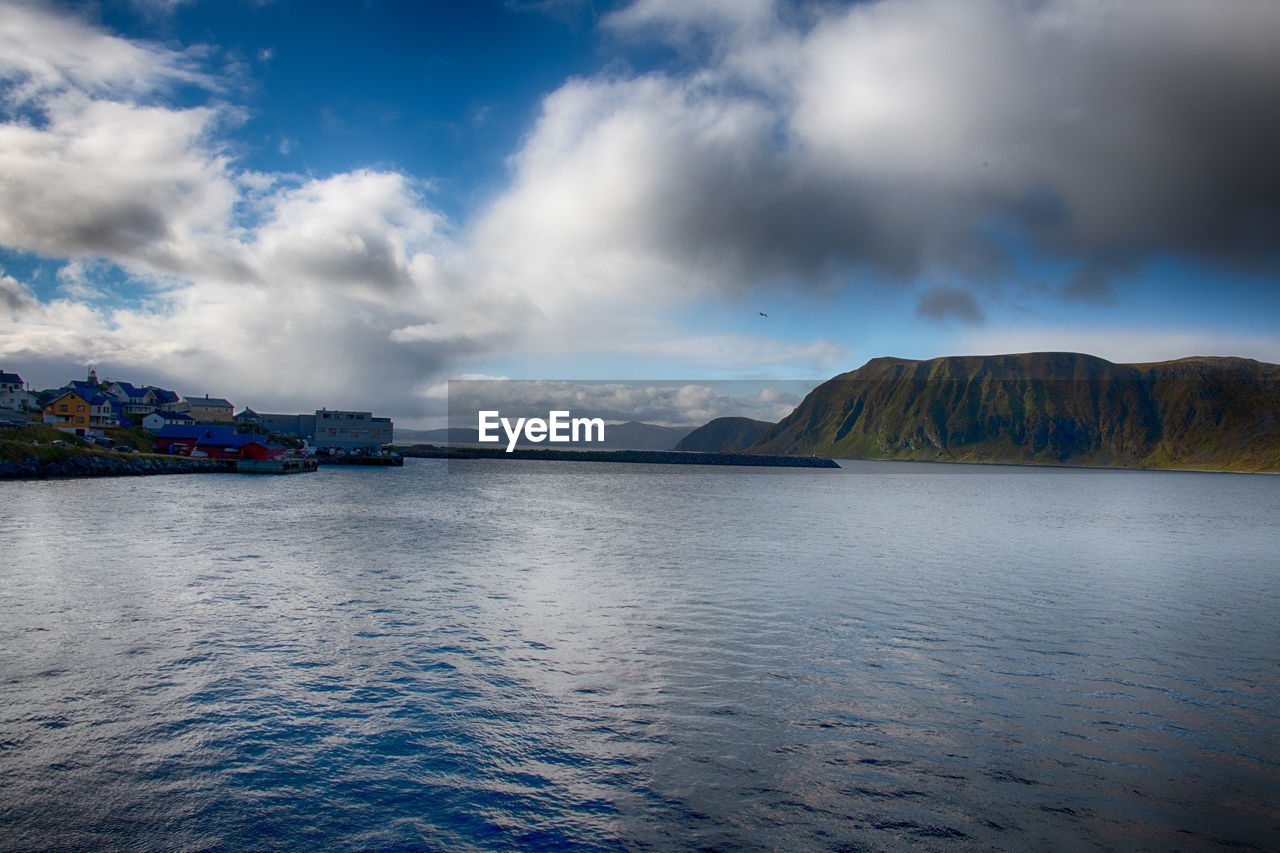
[[347, 203]]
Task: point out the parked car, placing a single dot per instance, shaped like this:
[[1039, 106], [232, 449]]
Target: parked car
[[57, 442], [125, 449]]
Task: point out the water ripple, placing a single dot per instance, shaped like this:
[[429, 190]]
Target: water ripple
[[535, 658]]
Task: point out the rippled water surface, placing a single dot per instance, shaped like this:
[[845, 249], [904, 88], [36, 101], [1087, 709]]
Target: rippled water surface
[[559, 656]]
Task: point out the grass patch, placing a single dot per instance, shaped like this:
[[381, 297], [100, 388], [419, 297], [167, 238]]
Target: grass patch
[[16, 444], [37, 441], [136, 437]]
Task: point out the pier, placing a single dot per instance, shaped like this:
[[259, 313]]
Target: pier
[[353, 459], [282, 465]]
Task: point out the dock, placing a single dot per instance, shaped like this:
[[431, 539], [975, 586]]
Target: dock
[[353, 459], [282, 465]]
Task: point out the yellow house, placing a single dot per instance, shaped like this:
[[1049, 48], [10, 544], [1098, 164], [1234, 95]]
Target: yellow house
[[69, 413], [210, 410]]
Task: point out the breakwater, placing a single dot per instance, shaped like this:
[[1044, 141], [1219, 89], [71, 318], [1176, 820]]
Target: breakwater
[[652, 457], [108, 465]]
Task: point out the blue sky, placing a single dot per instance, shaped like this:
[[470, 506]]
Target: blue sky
[[294, 204]]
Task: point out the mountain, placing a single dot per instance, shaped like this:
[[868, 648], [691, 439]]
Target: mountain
[[724, 435], [1044, 408], [632, 435], [453, 435]]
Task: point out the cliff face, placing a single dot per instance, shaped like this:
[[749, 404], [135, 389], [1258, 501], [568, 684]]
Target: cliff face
[[724, 435], [1044, 408]]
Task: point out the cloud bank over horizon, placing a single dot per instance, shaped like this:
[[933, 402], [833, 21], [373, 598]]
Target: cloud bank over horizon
[[671, 403], [951, 150]]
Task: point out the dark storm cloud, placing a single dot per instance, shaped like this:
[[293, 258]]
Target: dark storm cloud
[[1092, 284], [1173, 147], [14, 295], [911, 138], [368, 259], [116, 228], [949, 303]]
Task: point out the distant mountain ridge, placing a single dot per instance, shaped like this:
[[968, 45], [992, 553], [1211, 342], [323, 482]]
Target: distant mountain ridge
[[724, 435], [1044, 408]]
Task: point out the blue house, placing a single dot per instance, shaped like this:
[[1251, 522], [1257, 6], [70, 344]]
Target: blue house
[[87, 390]]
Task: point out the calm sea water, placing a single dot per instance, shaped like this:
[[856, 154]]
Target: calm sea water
[[540, 656]]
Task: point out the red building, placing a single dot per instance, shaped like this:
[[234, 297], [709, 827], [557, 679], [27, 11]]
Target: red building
[[215, 442]]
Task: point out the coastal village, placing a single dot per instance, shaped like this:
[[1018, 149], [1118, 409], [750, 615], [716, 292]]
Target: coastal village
[[194, 426]]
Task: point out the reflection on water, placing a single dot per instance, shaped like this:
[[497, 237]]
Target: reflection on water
[[547, 656]]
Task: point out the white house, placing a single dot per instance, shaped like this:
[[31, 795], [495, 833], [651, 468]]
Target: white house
[[157, 420], [13, 394]]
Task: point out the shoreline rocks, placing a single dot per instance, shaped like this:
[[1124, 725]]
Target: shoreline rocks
[[103, 465]]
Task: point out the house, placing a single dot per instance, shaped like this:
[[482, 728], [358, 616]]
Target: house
[[104, 411], [86, 390], [216, 442], [10, 383], [69, 413], [166, 401], [133, 400], [208, 409], [350, 432], [159, 418], [13, 393]]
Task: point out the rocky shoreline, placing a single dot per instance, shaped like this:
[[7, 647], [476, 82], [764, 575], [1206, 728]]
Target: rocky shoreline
[[109, 465]]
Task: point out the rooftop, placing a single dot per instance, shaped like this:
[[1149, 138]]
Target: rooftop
[[209, 401]]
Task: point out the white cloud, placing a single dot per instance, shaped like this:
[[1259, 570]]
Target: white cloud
[[141, 185], [286, 290], [358, 232], [44, 51], [682, 19]]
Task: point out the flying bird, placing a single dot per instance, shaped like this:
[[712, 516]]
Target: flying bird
[[762, 314]]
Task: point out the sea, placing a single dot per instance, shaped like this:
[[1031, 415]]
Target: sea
[[494, 655]]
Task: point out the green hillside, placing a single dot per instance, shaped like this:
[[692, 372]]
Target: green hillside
[[1044, 408]]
